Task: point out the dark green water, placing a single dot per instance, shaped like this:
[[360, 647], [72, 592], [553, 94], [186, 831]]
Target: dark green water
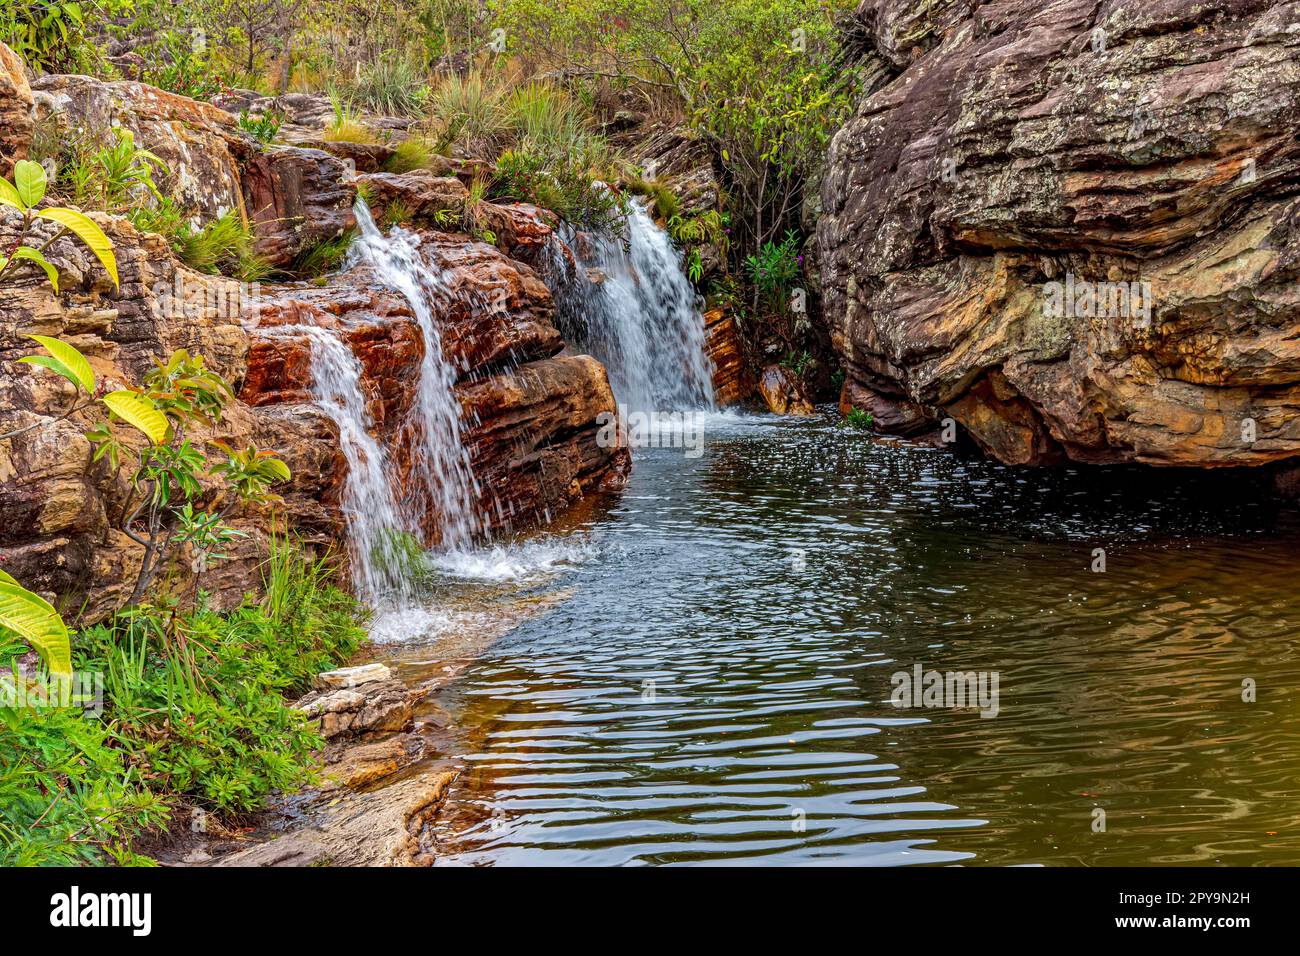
[[767, 734]]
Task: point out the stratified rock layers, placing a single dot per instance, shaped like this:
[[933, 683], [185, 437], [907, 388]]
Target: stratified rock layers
[[1114, 148], [529, 410]]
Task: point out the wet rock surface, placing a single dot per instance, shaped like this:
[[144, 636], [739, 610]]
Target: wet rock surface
[[1140, 157], [529, 413]]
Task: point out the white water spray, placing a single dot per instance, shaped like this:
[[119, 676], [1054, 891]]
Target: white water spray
[[369, 509], [445, 482], [638, 317]]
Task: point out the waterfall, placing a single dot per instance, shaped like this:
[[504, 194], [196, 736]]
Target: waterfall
[[444, 481], [369, 508], [635, 311]]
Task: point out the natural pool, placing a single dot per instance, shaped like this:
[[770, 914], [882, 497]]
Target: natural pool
[[699, 670]]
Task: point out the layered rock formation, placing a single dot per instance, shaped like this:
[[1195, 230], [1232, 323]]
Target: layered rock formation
[[1071, 226], [529, 411]]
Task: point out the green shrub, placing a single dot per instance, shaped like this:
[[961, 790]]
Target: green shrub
[[473, 112], [223, 246], [322, 258], [65, 797], [774, 270], [859, 419], [263, 128], [195, 702]]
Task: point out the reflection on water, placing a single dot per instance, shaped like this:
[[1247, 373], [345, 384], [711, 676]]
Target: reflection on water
[[709, 677]]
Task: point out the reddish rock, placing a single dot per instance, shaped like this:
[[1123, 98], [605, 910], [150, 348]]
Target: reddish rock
[[783, 393], [427, 200], [732, 382], [893, 416], [297, 199]]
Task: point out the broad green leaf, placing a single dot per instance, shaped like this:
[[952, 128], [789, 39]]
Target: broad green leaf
[[34, 619], [29, 180], [278, 468], [9, 195], [70, 357], [139, 412], [89, 233], [53, 364], [34, 255]]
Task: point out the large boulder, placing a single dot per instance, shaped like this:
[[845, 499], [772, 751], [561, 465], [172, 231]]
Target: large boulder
[[1072, 228], [200, 143]]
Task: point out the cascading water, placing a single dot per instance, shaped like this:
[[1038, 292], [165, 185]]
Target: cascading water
[[444, 481], [368, 505], [635, 310]]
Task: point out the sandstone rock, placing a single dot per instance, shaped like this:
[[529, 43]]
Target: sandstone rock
[[297, 198], [1016, 145], [200, 144], [732, 383], [388, 826], [346, 677], [423, 196], [376, 707], [894, 416], [15, 111], [782, 392]]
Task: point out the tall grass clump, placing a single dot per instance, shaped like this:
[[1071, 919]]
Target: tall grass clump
[[474, 115], [392, 86]]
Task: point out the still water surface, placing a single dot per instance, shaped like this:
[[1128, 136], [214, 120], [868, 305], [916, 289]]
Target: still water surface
[[699, 670]]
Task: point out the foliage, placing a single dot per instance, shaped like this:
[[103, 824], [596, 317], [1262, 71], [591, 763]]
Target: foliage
[[264, 127], [343, 128], [322, 257], [64, 795], [774, 270], [167, 472], [35, 620], [179, 64], [25, 193], [51, 34], [114, 176], [760, 80], [664, 204], [857, 418], [410, 154], [391, 85], [195, 702], [223, 246], [472, 110]]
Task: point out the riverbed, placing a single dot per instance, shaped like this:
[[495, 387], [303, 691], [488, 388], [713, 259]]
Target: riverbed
[[702, 669]]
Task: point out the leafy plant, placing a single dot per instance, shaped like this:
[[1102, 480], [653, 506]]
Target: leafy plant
[[25, 193], [175, 395], [774, 271], [264, 127], [35, 620], [116, 176], [51, 34], [857, 418], [64, 796]]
